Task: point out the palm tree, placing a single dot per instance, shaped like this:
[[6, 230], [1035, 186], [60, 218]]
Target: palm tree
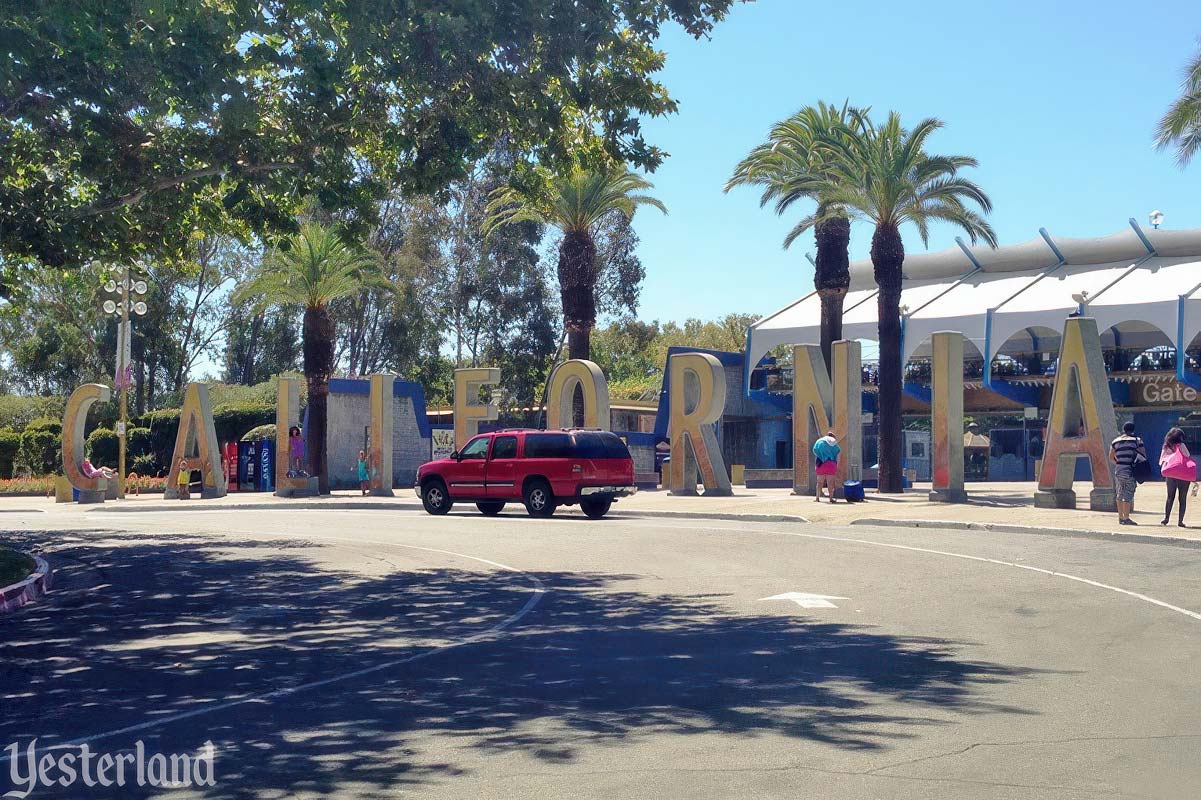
[[1181, 125], [784, 166], [576, 202], [317, 268], [883, 173]]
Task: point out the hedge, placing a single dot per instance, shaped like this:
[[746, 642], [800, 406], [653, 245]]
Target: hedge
[[233, 421], [10, 446], [41, 451], [259, 434], [230, 423], [103, 447], [45, 424]]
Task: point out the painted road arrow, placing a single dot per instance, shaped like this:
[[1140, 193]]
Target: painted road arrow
[[806, 600]]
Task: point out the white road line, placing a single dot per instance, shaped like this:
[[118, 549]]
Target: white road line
[[665, 523], [536, 596], [1050, 572]]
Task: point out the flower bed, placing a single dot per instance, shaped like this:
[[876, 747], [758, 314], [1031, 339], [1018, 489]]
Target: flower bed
[[44, 485], [14, 567]]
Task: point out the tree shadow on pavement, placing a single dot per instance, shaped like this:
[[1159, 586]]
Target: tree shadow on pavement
[[184, 621]]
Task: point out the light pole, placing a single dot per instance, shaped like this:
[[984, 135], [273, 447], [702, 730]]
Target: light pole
[[130, 293]]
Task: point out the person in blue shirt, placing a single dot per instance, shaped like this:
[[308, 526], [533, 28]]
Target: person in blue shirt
[[826, 450], [364, 473]]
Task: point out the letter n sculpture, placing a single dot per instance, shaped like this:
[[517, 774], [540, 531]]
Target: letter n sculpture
[[696, 401], [1081, 423]]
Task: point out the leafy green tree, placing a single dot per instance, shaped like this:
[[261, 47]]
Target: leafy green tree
[[55, 335], [126, 126], [1180, 126], [397, 328], [796, 150], [577, 201], [882, 173], [260, 342], [316, 268]]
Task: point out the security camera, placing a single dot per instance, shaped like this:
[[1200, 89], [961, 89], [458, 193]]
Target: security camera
[[1155, 218]]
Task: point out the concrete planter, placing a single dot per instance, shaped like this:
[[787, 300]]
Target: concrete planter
[[25, 592]]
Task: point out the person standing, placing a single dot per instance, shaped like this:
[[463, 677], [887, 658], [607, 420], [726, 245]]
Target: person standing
[[826, 450], [1123, 451], [296, 455], [184, 481], [1179, 470], [364, 473]]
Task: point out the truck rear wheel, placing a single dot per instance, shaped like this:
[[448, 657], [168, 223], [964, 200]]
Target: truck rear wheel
[[596, 508]]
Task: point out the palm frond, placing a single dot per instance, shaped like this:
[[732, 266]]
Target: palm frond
[[317, 268], [1180, 126]]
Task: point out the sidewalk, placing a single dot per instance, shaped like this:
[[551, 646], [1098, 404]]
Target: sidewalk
[[997, 506]]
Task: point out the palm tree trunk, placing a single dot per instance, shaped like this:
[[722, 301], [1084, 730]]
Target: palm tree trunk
[[577, 287], [831, 277], [318, 339], [888, 257]]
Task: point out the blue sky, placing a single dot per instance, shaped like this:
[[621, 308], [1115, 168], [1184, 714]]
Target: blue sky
[[1058, 101]]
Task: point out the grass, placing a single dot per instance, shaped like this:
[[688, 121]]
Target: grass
[[14, 567]]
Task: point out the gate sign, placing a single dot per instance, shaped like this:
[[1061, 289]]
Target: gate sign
[[443, 443]]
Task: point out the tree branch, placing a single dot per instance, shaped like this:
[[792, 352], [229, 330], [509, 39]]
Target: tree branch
[[169, 182]]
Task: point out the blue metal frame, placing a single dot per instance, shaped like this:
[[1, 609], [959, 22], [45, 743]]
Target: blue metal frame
[[1142, 237]]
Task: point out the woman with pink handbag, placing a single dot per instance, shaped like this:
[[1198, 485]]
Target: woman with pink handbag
[[1178, 469]]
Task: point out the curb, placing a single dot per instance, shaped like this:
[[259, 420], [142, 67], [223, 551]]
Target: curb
[[25, 592], [719, 515], [1001, 527], [337, 504]]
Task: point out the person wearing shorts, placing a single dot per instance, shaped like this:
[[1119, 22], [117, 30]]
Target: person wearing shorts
[[1122, 452], [825, 451]]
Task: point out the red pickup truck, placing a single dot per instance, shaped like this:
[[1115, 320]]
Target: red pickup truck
[[542, 469]]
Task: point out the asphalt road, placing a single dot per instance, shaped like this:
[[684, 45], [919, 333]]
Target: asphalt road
[[385, 653]]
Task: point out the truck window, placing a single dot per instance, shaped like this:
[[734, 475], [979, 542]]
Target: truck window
[[548, 445], [600, 445], [476, 448], [504, 447]]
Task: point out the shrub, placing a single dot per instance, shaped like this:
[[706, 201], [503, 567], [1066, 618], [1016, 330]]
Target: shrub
[[41, 451], [161, 427], [144, 464], [10, 446], [233, 421], [259, 434], [102, 447], [45, 424]]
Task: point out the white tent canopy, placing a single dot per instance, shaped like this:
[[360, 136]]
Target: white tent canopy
[[1143, 285]]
